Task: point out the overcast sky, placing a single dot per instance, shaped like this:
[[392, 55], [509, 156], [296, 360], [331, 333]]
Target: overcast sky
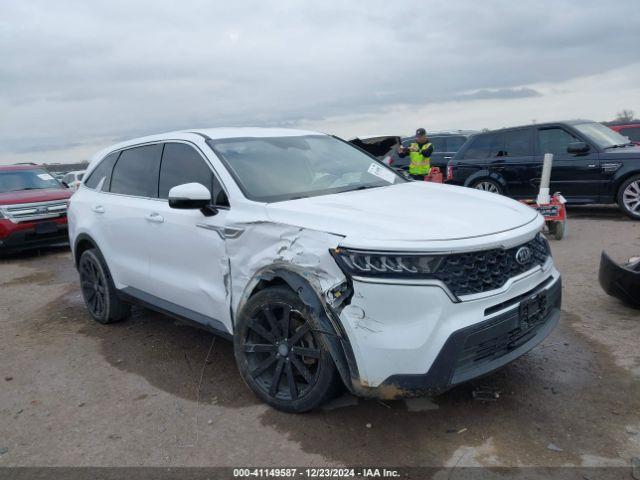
[[76, 76]]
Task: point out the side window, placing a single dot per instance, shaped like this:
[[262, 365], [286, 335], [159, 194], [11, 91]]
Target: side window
[[183, 164], [67, 179], [497, 145], [439, 144], [632, 132], [554, 140], [479, 148], [102, 173], [517, 143], [454, 143], [136, 171]]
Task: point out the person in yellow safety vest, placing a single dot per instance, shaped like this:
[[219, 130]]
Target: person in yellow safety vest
[[419, 155]]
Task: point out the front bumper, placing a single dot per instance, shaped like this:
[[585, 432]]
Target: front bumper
[[411, 340], [26, 235], [620, 281]]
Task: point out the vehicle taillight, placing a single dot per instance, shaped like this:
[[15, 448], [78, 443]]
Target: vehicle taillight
[[449, 172]]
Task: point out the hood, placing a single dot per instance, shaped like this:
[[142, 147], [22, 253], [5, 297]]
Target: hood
[[407, 213], [621, 153], [34, 196]]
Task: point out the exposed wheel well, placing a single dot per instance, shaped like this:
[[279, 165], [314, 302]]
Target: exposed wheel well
[[274, 282], [83, 244], [333, 334]]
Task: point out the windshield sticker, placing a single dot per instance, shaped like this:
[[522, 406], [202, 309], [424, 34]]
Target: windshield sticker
[[45, 176], [381, 172]]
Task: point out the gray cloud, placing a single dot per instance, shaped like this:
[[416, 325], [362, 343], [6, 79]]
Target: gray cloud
[[523, 92], [78, 72]]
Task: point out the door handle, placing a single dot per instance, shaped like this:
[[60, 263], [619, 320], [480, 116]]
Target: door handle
[[592, 165], [448, 157], [154, 217], [97, 209]]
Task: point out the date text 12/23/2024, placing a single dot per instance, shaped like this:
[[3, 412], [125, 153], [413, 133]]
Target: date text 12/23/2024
[[315, 473]]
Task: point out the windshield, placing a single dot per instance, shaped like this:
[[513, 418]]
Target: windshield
[[602, 136], [285, 168], [36, 179]]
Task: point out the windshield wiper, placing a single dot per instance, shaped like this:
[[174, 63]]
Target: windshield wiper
[[361, 187], [621, 145]]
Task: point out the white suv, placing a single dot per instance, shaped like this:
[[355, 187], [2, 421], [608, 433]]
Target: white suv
[[321, 263]]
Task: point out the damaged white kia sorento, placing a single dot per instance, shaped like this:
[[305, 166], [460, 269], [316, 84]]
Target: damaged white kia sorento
[[321, 264]]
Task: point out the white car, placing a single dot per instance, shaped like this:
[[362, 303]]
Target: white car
[[321, 264], [73, 179]]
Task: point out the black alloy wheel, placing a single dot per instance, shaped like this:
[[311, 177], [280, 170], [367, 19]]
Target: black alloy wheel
[[98, 290], [93, 284], [279, 353]]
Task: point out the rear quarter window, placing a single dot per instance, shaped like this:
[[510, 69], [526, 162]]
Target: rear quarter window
[[101, 175]]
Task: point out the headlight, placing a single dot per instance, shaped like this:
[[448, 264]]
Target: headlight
[[387, 264], [1, 215]]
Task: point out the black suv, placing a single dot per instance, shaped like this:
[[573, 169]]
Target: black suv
[[445, 145], [592, 163]]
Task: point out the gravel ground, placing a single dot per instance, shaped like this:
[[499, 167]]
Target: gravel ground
[[76, 393]]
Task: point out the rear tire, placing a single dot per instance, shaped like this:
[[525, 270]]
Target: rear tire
[[629, 197], [557, 229], [98, 290], [488, 185], [280, 355]]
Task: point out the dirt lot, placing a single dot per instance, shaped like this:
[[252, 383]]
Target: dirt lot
[[73, 392]]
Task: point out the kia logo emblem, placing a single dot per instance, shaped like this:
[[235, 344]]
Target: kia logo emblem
[[42, 210], [523, 255]]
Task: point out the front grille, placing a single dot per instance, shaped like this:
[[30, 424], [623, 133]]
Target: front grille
[[27, 212], [477, 272]]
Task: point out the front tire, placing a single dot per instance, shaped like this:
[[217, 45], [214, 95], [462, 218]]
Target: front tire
[[629, 197], [98, 290], [488, 185], [557, 229], [280, 355]]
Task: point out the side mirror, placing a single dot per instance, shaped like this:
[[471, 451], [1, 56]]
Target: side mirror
[[189, 196], [578, 147]]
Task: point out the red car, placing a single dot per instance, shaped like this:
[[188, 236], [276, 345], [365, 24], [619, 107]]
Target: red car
[[628, 129], [33, 208]]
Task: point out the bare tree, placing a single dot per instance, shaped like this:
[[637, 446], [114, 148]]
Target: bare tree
[[625, 115]]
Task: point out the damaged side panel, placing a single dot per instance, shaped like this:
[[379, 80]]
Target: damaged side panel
[[265, 252], [262, 245]]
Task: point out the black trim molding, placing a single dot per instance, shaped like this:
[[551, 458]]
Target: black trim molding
[[133, 295]]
